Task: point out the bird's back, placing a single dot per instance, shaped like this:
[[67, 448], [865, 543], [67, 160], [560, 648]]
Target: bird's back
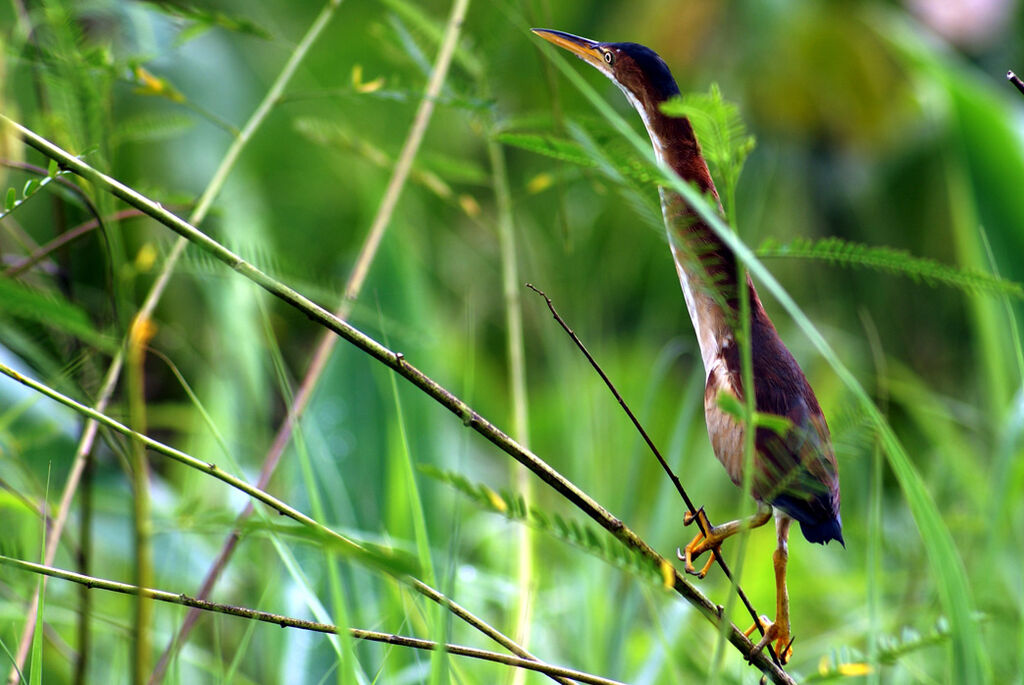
[[794, 466]]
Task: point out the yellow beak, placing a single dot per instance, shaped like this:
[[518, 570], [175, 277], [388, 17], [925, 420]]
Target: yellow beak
[[584, 48]]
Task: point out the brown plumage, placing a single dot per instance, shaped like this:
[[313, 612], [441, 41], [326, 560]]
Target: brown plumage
[[794, 469]]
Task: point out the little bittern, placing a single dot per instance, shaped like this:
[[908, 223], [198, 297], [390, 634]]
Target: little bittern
[[794, 467]]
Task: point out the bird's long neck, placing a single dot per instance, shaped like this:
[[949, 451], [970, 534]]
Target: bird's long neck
[[705, 265]]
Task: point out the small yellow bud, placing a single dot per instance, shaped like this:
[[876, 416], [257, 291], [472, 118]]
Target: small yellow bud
[[496, 501], [360, 86], [469, 205], [856, 669], [154, 85], [539, 183], [146, 257], [143, 330]]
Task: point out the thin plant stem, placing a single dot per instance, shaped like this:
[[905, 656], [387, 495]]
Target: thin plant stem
[[156, 291], [412, 144], [657, 454], [1015, 80], [353, 287], [140, 500], [876, 535], [78, 466], [397, 362], [92, 582], [414, 509], [64, 239], [749, 434], [206, 467], [517, 387], [86, 512]]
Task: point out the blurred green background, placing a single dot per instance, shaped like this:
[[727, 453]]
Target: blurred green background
[[881, 123]]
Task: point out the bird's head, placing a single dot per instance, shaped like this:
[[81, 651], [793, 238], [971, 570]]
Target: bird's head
[[637, 70]]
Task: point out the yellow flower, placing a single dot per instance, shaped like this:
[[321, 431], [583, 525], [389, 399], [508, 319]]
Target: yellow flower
[[369, 87]]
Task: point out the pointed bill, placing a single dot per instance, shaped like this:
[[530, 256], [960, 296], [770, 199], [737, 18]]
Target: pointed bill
[[587, 50]]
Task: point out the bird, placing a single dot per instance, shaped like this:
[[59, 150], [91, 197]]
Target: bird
[[795, 475]]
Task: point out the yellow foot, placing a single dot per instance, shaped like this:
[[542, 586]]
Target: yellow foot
[[699, 544], [710, 538], [778, 633]]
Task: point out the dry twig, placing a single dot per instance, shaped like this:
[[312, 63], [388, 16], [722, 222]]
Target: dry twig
[[661, 460]]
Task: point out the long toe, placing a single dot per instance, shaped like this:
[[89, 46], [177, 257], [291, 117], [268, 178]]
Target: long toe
[[773, 633]]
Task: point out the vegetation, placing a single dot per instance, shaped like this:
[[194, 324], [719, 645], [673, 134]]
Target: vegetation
[[176, 411]]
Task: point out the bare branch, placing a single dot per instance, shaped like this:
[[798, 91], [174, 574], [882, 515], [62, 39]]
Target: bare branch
[[701, 520], [1015, 80]]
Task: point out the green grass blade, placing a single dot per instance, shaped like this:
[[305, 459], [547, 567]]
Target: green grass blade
[[37, 637]]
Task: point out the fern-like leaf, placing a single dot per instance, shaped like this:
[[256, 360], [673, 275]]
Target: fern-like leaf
[[11, 199], [846, 662], [724, 140], [21, 302], [147, 128], [433, 29], [202, 20], [921, 269], [584, 537], [574, 153]]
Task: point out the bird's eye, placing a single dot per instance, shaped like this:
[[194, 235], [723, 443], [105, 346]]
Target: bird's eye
[[608, 57]]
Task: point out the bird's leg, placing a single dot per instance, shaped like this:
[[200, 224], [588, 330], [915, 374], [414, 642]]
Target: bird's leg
[[710, 537], [778, 632]]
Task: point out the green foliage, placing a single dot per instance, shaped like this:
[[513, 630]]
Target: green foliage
[[28, 304], [890, 260], [569, 531], [32, 186], [722, 134], [731, 405], [202, 19], [575, 153], [151, 128], [431, 29], [846, 663]]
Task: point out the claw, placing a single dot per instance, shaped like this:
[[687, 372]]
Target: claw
[[773, 633], [689, 517], [701, 543]]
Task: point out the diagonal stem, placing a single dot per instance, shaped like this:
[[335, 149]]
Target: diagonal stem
[[398, 363], [701, 521], [1015, 80], [91, 582], [62, 240]]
